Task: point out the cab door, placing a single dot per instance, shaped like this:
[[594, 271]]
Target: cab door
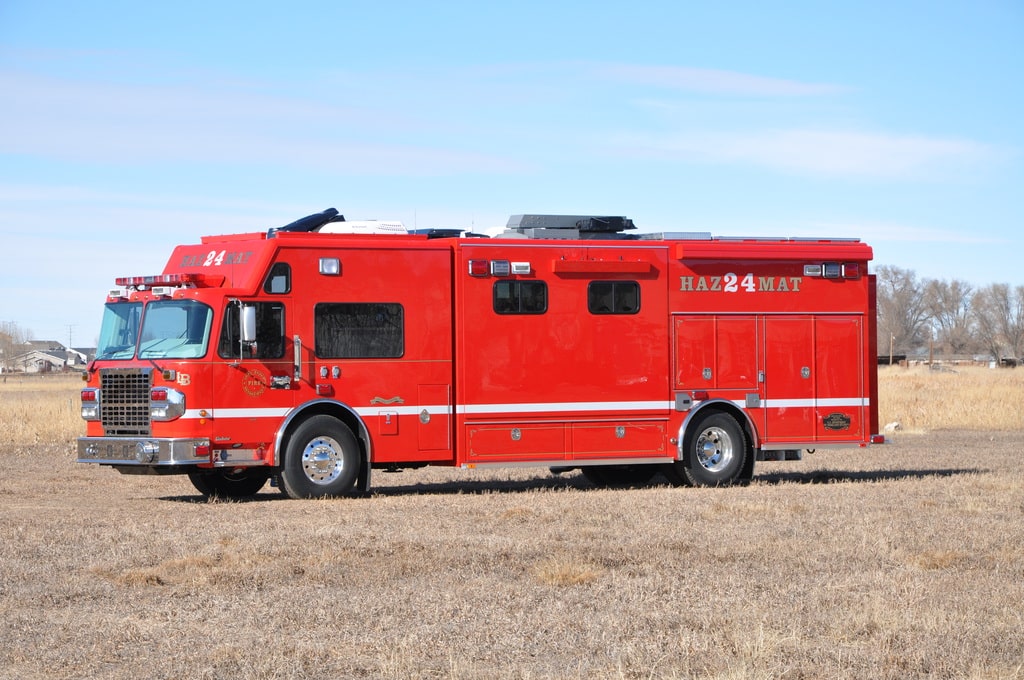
[[253, 387]]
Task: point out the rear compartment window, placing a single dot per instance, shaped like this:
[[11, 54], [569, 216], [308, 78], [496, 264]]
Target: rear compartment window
[[613, 297], [520, 297]]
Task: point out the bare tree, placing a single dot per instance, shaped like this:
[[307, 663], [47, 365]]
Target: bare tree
[[986, 315], [12, 343], [1015, 323], [902, 313], [949, 307], [999, 314]]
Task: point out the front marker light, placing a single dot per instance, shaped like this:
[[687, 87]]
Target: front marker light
[[166, 403], [90, 403]]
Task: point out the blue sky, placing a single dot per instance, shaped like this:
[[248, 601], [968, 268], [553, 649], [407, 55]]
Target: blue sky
[[127, 128]]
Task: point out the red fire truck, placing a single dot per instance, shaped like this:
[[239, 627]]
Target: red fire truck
[[317, 352]]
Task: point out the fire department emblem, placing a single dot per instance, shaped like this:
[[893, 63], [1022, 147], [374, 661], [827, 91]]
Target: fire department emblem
[[837, 421], [255, 382]]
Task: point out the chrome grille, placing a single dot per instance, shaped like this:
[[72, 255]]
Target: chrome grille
[[124, 401]]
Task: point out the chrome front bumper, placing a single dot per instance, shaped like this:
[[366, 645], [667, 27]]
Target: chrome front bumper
[[141, 451]]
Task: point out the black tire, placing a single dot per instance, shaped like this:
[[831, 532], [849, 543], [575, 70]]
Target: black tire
[[321, 459], [619, 476], [230, 483], [674, 476], [714, 451]]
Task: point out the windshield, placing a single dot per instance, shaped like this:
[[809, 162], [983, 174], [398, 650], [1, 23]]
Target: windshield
[[119, 331], [175, 329]]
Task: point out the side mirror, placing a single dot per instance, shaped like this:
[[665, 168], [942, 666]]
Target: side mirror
[[248, 323]]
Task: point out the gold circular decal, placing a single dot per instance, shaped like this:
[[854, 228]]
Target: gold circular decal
[[254, 382]]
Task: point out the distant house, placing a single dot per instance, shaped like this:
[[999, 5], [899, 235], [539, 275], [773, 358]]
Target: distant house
[[47, 356], [80, 356], [45, 345], [40, 361]]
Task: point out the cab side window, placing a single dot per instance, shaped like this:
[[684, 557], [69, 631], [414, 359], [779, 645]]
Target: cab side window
[[279, 280], [269, 333]]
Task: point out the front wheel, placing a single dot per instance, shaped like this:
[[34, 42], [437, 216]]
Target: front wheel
[[321, 459], [235, 483], [714, 451]]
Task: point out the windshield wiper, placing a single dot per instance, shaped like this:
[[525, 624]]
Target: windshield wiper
[[113, 351]]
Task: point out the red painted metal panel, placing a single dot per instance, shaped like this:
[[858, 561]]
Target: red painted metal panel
[[789, 384], [434, 427], [839, 378], [599, 267], [511, 443], [716, 352], [619, 440]]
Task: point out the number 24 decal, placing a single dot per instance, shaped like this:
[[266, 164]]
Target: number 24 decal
[[732, 283]]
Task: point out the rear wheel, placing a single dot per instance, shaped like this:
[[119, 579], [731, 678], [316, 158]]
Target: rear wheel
[[322, 459], [714, 451], [230, 483]]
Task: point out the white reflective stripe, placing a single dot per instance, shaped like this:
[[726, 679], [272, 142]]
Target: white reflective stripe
[[224, 413], [560, 407], [812, 403], [545, 407], [855, 401], [238, 413]]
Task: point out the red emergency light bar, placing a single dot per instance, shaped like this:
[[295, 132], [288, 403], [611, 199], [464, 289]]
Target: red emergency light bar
[[185, 279]]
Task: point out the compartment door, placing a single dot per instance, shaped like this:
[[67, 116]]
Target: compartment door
[[839, 378], [790, 374]]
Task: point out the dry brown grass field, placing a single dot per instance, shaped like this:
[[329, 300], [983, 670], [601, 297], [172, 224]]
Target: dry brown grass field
[[900, 560]]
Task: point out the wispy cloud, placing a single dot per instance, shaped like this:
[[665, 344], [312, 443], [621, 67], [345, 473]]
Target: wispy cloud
[[440, 122], [820, 152], [134, 124], [874, 231], [84, 218], [713, 81]]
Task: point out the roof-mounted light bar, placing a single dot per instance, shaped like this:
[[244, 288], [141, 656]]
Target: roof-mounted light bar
[[185, 280]]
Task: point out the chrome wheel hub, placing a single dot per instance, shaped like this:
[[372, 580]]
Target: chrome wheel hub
[[322, 460], [715, 449]]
